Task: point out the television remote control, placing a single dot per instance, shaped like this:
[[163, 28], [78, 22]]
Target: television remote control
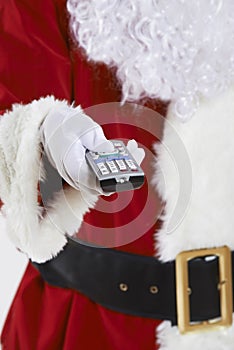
[[116, 171]]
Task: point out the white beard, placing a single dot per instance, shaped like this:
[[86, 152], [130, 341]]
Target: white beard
[[169, 50]]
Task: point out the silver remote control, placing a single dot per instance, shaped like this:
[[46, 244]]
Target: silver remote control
[[116, 171]]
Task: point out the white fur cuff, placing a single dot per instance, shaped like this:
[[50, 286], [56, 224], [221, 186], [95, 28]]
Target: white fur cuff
[[41, 238]]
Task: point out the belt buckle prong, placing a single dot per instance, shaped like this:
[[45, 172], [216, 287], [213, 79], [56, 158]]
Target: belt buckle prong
[[225, 288]]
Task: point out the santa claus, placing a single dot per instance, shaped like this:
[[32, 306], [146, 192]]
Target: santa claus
[[161, 283]]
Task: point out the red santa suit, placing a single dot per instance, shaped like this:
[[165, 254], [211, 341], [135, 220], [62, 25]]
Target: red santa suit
[[40, 59]]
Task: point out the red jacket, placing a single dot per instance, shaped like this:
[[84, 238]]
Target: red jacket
[[39, 58]]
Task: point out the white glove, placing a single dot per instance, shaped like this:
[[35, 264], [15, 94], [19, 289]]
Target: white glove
[[137, 153], [66, 134]]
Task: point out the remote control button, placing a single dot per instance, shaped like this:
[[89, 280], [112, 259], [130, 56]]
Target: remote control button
[[131, 164], [124, 153], [108, 154], [121, 164], [118, 144], [103, 169], [113, 168], [94, 155]]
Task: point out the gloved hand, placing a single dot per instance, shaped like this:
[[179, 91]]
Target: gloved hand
[[66, 134]]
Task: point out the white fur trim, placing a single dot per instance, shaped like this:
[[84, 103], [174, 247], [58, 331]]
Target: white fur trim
[[208, 220], [168, 337], [41, 238]]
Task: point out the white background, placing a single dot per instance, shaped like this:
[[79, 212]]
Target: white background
[[12, 267]]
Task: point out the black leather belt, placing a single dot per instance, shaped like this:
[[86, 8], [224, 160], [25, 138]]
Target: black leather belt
[[134, 284]]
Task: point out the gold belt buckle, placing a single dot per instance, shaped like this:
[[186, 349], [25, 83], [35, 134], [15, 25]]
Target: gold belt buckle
[[225, 287]]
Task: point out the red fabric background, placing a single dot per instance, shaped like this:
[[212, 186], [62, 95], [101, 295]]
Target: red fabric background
[[38, 59]]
